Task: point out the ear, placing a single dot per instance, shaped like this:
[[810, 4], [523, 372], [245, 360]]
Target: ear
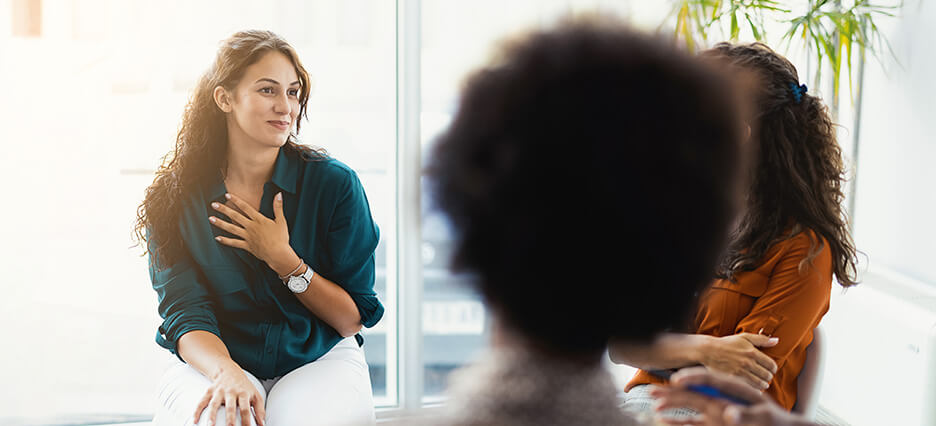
[[222, 99]]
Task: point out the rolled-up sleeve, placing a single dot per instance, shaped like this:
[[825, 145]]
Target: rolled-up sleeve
[[352, 240], [184, 304]]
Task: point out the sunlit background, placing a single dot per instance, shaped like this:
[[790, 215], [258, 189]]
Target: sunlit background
[[93, 92]]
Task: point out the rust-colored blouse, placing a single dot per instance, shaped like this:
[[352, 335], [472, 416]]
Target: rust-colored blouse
[[778, 299]]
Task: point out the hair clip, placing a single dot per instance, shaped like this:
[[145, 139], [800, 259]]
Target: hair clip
[[798, 91]]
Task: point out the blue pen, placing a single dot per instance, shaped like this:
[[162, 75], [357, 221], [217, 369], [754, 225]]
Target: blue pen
[[715, 393], [702, 389]]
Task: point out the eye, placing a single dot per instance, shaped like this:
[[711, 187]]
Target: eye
[[267, 90], [293, 92]]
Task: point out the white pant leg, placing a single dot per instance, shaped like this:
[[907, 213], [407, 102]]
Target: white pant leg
[[180, 390], [332, 390]]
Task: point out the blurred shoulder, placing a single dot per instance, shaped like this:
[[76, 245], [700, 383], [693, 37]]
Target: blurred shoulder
[[808, 248], [806, 239]]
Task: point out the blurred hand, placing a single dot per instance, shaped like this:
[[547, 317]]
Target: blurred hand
[[739, 355], [719, 412]]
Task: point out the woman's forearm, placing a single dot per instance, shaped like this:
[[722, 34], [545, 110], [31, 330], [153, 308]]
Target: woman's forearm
[[669, 350], [332, 304], [324, 298], [205, 352]]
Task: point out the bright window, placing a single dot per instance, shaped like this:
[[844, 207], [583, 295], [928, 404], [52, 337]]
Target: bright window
[[95, 101]]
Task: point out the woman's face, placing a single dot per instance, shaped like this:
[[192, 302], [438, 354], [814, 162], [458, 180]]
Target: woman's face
[[265, 104]]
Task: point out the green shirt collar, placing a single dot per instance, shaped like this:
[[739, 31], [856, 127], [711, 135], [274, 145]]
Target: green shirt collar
[[284, 176], [284, 171]]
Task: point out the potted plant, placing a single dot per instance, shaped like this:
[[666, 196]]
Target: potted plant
[[830, 31]]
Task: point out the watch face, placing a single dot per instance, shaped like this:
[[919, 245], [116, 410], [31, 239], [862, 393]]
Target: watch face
[[297, 284]]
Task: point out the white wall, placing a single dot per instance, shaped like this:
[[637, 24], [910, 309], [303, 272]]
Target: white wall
[[880, 357], [896, 198], [880, 353]]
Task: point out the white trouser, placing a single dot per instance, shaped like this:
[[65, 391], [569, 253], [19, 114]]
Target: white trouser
[[332, 390]]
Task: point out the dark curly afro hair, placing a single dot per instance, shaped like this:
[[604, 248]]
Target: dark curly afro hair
[[590, 177]]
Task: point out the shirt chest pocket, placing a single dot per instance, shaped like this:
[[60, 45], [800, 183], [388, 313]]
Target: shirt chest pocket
[[751, 284]]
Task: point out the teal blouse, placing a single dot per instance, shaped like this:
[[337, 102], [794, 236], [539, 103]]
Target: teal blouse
[[229, 292]]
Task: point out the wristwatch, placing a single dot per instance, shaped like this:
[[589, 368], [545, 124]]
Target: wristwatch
[[299, 283]]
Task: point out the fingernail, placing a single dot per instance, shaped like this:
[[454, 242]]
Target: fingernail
[[732, 414], [217, 238], [773, 340], [279, 196], [215, 205], [228, 196], [212, 219]]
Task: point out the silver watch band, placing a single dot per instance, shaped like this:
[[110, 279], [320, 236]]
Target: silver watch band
[[308, 274]]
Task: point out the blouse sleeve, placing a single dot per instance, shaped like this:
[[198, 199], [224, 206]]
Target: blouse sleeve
[[352, 240], [184, 304], [795, 299]]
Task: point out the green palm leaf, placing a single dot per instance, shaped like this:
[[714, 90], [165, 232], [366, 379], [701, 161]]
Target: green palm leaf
[[831, 31]]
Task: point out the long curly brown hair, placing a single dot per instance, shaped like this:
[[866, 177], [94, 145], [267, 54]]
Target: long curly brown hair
[[202, 142], [796, 182]]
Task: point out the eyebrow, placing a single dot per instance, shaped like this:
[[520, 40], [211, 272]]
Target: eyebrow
[[270, 80]]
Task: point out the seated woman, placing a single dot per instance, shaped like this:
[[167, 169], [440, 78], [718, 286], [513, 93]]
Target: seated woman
[[774, 282], [575, 200], [262, 254]]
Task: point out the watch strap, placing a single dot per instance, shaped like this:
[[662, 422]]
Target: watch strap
[[308, 274]]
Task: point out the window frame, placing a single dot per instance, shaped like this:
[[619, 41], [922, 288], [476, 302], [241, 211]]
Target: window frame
[[404, 257]]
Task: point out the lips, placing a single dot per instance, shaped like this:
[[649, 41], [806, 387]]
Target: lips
[[281, 125]]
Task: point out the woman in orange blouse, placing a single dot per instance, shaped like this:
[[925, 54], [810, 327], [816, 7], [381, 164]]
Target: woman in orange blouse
[[774, 282]]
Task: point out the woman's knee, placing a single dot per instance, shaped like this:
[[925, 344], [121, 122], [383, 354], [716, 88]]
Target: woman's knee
[[181, 389], [324, 392]]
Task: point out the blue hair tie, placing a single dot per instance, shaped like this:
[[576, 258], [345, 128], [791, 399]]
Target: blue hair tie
[[798, 91]]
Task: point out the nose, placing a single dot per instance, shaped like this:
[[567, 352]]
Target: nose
[[281, 104]]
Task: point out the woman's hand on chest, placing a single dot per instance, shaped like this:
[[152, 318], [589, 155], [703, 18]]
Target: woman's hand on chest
[[266, 239]]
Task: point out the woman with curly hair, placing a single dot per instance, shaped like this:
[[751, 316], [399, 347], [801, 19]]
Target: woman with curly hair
[[261, 253], [773, 284]]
